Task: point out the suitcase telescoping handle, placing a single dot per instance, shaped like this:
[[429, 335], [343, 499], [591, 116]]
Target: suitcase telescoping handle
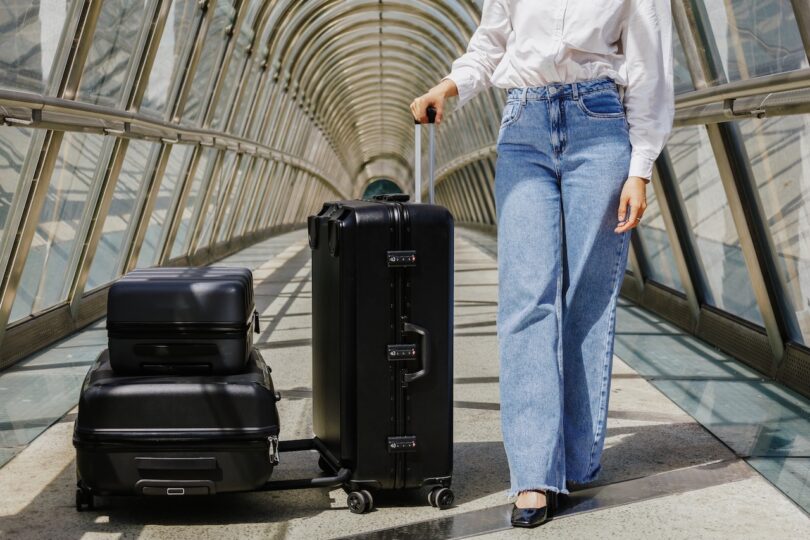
[[424, 336], [417, 162]]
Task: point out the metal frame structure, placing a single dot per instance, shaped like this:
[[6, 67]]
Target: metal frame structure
[[307, 101]]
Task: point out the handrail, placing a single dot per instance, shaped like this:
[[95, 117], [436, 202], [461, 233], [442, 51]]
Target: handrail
[[779, 82], [57, 113]]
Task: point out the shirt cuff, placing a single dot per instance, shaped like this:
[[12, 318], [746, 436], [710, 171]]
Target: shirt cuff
[[465, 83], [641, 166]]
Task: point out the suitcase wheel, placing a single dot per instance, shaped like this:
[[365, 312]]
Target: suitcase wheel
[[441, 497], [360, 502], [85, 500]]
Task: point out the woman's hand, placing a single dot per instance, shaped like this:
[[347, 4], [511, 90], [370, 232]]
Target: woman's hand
[[435, 97], [634, 195]]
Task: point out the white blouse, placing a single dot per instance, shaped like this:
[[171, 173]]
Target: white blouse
[[535, 42]]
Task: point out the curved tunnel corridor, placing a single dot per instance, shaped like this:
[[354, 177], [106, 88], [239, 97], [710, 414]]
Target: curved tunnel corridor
[[195, 132]]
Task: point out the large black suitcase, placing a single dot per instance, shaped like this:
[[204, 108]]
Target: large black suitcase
[[175, 435], [181, 320], [382, 326]]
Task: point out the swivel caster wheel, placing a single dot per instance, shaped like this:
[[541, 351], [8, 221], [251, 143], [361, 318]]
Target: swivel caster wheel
[[441, 498], [85, 500], [360, 502]]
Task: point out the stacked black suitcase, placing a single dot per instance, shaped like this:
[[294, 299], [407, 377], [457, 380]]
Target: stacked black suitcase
[[181, 403]]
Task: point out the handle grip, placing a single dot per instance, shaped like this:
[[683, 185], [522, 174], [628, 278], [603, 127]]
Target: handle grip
[[431, 114], [424, 336]]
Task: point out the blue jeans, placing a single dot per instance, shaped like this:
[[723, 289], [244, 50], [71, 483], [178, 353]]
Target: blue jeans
[[563, 157]]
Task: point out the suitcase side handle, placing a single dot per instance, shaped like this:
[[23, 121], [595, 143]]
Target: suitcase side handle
[[424, 337]]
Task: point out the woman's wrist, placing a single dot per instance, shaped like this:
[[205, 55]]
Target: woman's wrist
[[446, 88]]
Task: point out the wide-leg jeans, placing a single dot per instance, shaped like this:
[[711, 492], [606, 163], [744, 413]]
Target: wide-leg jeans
[[563, 157]]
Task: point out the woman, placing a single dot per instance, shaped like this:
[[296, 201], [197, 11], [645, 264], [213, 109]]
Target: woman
[[590, 106]]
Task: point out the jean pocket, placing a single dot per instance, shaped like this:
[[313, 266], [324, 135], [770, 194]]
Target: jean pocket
[[511, 113], [603, 104]]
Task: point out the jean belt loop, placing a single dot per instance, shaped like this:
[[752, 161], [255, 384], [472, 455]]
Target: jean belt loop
[[524, 97], [575, 89]]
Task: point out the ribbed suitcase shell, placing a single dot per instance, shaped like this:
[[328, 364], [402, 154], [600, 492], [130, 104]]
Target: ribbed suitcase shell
[[359, 304], [204, 434], [164, 320]]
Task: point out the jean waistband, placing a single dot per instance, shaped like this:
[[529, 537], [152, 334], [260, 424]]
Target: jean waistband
[[563, 90]]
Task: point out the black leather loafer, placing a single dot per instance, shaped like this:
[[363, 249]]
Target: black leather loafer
[[532, 517]]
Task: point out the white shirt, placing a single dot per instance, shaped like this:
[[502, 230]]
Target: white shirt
[[535, 42]]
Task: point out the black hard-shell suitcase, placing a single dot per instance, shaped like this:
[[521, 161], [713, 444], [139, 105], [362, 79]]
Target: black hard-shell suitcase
[[382, 304], [181, 320], [175, 435]]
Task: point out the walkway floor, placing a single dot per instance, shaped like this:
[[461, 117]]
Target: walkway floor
[[664, 474]]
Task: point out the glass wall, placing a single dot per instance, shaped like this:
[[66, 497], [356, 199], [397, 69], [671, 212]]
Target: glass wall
[[172, 55], [108, 261], [779, 153], [755, 37], [716, 236], [657, 248], [109, 69], [198, 184], [29, 42], [177, 165], [47, 273]]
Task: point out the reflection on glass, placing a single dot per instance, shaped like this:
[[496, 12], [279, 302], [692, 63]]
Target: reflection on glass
[[250, 199], [236, 68], [715, 234], [105, 76], [202, 175], [47, 274], [218, 190], [237, 186], [155, 233], [682, 78], [755, 37], [172, 54], [30, 38], [779, 152], [136, 168], [210, 59], [657, 249], [14, 144]]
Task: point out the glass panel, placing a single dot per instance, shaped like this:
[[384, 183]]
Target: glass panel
[[172, 55], [29, 41], [779, 150], [204, 165], [137, 167], [715, 235], [243, 108], [46, 276], [210, 59], [238, 185], [658, 250], [236, 68], [14, 143], [251, 199], [682, 77], [216, 192], [106, 73], [154, 238], [755, 37]]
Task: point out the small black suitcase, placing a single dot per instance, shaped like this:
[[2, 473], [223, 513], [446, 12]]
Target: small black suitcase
[[382, 308], [181, 320], [175, 435]]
